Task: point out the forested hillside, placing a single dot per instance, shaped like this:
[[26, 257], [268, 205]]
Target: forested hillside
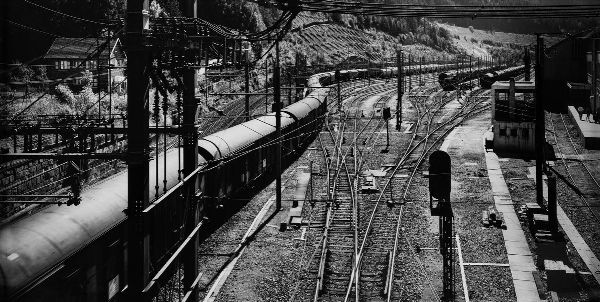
[[28, 29]]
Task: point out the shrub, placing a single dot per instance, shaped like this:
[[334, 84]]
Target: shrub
[[41, 73], [83, 100], [87, 78], [64, 94], [22, 73]]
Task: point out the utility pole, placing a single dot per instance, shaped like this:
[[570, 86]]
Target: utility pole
[[470, 68], [190, 162], [289, 78], [399, 62], [527, 59], [339, 90], [266, 86], [594, 105], [552, 204], [540, 125], [277, 105], [421, 70], [457, 65], [138, 249], [247, 89], [410, 70], [110, 82], [368, 70]]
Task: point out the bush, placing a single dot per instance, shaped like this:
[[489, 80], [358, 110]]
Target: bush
[[40, 73], [22, 73], [87, 78], [64, 95], [83, 100]]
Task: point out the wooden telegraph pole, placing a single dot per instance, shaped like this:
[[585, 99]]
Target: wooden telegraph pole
[[540, 125], [137, 149]]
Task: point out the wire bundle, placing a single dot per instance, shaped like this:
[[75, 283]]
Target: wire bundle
[[444, 11]]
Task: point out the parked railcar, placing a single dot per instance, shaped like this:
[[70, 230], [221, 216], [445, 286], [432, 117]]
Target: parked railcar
[[450, 80], [486, 80]]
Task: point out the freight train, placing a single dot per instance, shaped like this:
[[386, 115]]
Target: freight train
[[486, 80], [78, 253], [451, 80]]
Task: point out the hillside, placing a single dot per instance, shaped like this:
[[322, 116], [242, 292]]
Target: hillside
[[481, 43]]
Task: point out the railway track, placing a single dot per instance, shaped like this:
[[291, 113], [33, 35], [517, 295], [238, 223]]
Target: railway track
[[372, 275], [587, 201]]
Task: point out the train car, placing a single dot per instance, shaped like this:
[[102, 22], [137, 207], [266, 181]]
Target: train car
[[513, 118], [78, 253], [450, 80], [486, 80]]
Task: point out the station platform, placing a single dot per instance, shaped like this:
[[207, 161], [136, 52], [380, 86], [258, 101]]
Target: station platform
[[520, 258], [588, 131]]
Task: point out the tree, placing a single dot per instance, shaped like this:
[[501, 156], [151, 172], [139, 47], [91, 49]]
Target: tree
[[41, 73], [23, 73]]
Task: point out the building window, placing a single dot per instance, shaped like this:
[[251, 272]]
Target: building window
[[64, 64], [525, 133], [90, 64], [75, 63], [503, 132], [513, 132]]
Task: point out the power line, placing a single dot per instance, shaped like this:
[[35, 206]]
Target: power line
[[64, 14], [445, 11], [34, 29]]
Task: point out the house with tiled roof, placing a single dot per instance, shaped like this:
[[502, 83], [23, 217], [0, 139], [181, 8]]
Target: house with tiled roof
[[70, 58]]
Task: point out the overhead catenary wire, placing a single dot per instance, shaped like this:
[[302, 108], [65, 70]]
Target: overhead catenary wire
[[33, 29], [65, 14], [446, 11]]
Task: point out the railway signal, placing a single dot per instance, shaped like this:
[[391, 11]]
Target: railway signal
[[387, 114], [399, 62], [439, 189]]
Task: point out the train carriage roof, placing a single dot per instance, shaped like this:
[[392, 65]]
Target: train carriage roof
[[301, 109], [228, 141], [32, 245]]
